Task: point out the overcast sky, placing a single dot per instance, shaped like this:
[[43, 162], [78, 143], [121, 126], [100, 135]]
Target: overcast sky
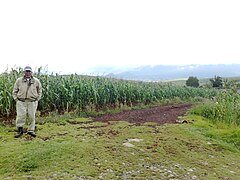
[[74, 35]]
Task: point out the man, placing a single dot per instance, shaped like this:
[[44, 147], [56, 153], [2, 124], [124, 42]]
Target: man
[[27, 92]]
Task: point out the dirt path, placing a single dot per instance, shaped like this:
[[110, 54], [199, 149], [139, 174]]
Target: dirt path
[[160, 114]]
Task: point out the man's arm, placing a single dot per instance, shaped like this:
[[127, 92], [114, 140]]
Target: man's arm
[[15, 90], [39, 90]]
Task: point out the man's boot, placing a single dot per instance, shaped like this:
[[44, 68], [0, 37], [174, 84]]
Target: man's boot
[[31, 134], [20, 132]]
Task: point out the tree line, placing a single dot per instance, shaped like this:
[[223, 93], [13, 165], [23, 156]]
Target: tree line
[[216, 82]]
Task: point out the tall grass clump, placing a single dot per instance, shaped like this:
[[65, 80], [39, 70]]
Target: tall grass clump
[[225, 108], [77, 93]]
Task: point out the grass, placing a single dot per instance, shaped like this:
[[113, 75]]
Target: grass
[[226, 133], [79, 148]]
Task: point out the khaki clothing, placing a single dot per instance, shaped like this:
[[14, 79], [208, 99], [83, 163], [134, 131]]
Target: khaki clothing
[[24, 109], [27, 89], [27, 92]]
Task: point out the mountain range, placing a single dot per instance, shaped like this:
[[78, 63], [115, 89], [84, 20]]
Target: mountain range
[[170, 72]]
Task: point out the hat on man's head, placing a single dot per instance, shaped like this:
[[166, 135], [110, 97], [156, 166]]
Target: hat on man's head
[[27, 68]]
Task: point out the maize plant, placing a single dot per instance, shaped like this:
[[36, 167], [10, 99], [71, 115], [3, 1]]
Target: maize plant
[[75, 92], [224, 108]]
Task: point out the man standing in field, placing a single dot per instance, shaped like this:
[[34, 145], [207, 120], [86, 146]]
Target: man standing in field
[[27, 92]]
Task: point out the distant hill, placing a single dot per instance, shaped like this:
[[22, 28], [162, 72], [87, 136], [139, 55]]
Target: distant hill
[[170, 72]]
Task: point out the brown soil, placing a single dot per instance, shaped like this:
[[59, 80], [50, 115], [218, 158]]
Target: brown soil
[[160, 114]]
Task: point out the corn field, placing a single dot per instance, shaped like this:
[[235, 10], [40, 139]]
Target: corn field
[[225, 108], [80, 93]]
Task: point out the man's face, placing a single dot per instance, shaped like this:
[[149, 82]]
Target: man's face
[[28, 73]]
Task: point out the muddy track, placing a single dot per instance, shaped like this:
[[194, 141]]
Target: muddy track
[[159, 114]]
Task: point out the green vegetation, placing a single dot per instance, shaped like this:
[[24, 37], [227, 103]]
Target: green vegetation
[[81, 150], [89, 94], [205, 82], [69, 146], [192, 81], [7, 104], [217, 81], [224, 109]]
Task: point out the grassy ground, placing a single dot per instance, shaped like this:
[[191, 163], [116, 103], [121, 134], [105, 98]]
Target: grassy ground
[[82, 149]]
